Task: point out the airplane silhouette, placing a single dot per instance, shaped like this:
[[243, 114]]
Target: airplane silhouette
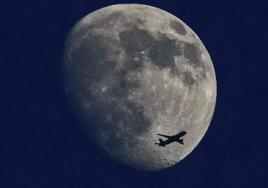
[[170, 139]]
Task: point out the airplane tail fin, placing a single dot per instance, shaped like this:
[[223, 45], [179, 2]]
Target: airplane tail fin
[[181, 141], [160, 142]]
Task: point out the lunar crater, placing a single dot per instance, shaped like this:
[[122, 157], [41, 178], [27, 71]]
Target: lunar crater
[[178, 27]]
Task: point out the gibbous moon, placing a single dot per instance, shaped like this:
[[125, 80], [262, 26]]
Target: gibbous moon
[[134, 71]]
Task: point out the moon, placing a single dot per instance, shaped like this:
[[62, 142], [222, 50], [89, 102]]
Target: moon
[[134, 71]]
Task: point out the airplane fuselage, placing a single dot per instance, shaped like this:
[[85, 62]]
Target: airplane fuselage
[[171, 139]]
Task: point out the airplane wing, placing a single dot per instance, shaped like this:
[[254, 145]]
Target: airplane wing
[[166, 136]]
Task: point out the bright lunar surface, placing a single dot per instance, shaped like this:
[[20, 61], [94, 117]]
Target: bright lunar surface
[[135, 71]]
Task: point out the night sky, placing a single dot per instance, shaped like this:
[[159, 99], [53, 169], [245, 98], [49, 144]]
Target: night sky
[[42, 144]]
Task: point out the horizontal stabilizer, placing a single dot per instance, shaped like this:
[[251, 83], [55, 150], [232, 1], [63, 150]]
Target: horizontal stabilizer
[[181, 141]]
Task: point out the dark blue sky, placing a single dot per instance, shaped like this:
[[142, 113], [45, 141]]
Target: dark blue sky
[[42, 145]]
